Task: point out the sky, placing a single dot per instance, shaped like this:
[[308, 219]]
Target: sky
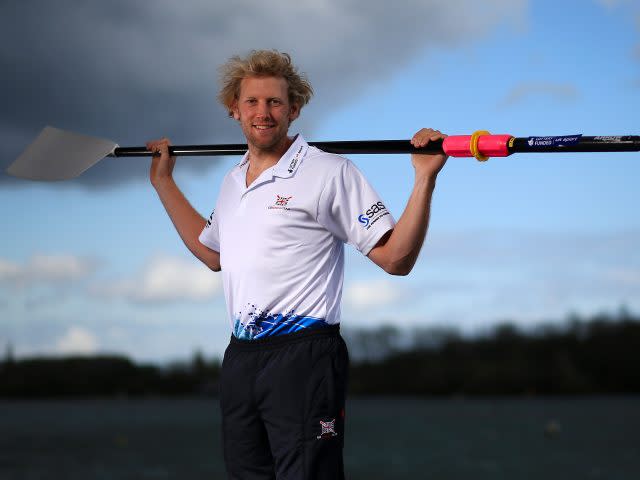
[[93, 265]]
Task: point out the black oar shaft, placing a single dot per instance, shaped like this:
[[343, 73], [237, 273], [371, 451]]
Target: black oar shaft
[[343, 147], [629, 143]]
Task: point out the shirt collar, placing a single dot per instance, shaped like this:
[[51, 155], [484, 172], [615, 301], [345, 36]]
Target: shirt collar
[[291, 160], [239, 173], [286, 166]]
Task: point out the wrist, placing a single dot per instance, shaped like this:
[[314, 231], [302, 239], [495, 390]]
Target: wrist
[[161, 183], [426, 179]]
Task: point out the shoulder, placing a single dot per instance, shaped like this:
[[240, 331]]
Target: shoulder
[[228, 178], [325, 163], [226, 182]]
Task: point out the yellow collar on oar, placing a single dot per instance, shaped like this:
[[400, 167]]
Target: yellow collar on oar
[[473, 145]]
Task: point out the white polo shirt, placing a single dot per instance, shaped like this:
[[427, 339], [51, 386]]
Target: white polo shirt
[[281, 240]]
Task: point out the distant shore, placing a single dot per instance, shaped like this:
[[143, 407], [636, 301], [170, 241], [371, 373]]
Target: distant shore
[[584, 356]]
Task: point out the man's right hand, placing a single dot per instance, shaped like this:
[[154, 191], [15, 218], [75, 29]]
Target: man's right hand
[[161, 165]]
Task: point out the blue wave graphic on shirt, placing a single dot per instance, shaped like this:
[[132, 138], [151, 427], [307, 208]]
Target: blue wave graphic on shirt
[[270, 325]]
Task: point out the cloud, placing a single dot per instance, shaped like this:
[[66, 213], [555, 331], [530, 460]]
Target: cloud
[[614, 3], [529, 275], [557, 92], [9, 270], [633, 10], [39, 300], [624, 277], [364, 295], [128, 72], [636, 49], [77, 341], [163, 280], [500, 247], [51, 270], [609, 3], [471, 278]]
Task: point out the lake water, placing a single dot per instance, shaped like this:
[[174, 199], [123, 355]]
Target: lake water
[[387, 438]]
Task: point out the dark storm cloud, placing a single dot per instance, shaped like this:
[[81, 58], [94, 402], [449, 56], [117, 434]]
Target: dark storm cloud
[[133, 70]]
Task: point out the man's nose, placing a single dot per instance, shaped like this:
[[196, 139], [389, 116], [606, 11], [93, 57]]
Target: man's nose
[[263, 109]]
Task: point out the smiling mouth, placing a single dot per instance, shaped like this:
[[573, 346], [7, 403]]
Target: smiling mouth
[[263, 127]]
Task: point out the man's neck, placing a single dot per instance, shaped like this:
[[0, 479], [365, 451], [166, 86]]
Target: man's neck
[[261, 159]]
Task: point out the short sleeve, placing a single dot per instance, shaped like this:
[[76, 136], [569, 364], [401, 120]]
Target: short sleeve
[[351, 209], [210, 236]]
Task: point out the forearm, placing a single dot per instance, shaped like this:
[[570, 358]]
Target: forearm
[[187, 221], [400, 252]]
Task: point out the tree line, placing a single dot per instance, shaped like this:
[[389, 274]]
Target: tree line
[[582, 356], [597, 356]]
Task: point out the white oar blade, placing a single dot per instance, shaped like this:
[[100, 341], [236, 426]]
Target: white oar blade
[[59, 155]]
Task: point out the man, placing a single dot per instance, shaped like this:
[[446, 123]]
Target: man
[[277, 233]]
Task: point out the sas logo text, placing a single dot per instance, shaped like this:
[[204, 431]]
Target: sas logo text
[[374, 213]]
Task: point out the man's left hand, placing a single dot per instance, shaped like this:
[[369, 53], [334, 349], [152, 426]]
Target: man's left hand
[[427, 164]]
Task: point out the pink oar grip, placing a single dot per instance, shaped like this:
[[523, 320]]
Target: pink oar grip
[[488, 145]]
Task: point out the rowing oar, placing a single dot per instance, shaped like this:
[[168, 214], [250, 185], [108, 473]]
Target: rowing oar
[[60, 155]]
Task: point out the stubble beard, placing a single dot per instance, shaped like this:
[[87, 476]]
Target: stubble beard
[[272, 144]]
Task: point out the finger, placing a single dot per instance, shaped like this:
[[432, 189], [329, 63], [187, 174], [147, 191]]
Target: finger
[[163, 145], [155, 147], [425, 137], [161, 141], [418, 138], [429, 134]]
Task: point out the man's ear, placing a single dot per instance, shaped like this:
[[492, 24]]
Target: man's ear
[[294, 112], [235, 112]]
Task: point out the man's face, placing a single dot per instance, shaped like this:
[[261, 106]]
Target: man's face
[[264, 112]]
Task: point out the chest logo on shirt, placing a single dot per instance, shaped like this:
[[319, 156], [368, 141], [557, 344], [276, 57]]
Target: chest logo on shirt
[[280, 203]]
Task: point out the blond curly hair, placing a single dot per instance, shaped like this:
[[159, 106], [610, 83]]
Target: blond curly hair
[[262, 63]]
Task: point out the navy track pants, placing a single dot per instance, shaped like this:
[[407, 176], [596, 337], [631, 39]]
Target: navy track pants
[[282, 400]]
